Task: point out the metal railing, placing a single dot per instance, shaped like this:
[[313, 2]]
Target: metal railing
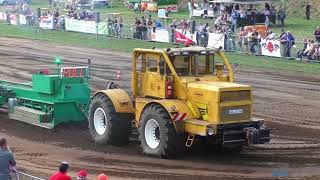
[[18, 175]]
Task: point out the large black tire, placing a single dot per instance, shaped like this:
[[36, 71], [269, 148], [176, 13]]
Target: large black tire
[[171, 144], [117, 126]]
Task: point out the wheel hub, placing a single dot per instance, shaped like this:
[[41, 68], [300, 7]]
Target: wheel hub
[[100, 121], [152, 133]]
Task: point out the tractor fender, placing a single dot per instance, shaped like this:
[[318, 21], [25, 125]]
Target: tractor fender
[[120, 99], [172, 107]]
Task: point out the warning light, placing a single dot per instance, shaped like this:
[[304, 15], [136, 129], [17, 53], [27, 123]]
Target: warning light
[[58, 60]]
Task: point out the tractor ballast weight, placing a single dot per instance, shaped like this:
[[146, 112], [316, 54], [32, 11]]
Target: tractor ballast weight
[[51, 99]]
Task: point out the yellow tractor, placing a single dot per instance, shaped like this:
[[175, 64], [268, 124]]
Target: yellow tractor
[[178, 95]]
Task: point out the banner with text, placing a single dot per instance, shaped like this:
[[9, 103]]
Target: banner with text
[[46, 23], [160, 35], [216, 40], [86, 26], [270, 48]]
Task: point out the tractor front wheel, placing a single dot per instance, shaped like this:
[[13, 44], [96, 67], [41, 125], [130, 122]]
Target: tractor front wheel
[[106, 125], [157, 134]]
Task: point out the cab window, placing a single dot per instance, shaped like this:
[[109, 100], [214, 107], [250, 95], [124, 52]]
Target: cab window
[[152, 62]]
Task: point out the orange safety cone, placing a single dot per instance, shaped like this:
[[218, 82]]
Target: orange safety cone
[[118, 74]]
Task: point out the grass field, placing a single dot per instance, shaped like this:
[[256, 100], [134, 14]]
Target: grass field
[[297, 25]]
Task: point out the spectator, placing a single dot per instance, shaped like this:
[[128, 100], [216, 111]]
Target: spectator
[[120, 28], [317, 53], [242, 35], [62, 23], [173, 27], [6, 160], [251, 39], [317, 34], [307, 49], [218, 21], [271, 36], [184, 26], [266, 16], [158, 24], [62, 174], [273, 15], [257, 40], [311, 51], [150, 27], [253, 16], [115, 26], [138, 34], [289, 43], [231, 40], [282, 16], [102, 177], [205, 31], [242, 15], [205, 9], [110, 25], [144, 28], [199, 33], [267, 6], [82, 175], [308, 7], [300, 53], [283, 42], [233, 19]]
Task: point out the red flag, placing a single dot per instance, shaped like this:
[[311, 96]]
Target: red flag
[[180, 38]]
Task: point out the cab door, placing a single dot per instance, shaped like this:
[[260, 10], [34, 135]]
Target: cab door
[[153, 80]]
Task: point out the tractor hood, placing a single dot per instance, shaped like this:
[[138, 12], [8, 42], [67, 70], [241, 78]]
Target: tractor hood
[[210, 92]]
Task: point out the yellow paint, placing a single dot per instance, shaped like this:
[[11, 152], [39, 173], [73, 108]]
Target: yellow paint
[[120, 99], [198, 96]]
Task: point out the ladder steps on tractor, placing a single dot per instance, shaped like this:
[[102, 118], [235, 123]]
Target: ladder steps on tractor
[[31, 116]]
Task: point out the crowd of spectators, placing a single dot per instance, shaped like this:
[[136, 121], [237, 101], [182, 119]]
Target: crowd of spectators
[[115, 26], [311, 48], [230, 21], [62, 174], [242, 14]]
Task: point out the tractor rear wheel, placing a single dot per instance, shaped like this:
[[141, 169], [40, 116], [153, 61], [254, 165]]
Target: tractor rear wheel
[[106, 125], [157, 134]]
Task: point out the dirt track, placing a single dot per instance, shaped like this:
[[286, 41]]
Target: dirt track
[[290, 103]]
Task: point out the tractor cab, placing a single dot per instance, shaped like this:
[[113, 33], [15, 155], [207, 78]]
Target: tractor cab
[[161, 70]]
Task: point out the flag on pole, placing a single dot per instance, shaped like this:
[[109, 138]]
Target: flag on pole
[[180, 38]]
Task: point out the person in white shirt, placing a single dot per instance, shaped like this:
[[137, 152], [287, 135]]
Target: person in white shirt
[[267, 19], [271, 36], [218, 21]]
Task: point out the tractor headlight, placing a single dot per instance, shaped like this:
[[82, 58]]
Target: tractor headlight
[[210, 131]]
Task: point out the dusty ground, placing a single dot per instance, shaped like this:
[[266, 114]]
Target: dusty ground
[[290, 103]]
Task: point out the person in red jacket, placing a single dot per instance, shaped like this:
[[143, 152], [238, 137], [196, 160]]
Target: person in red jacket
[[62, 174]]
